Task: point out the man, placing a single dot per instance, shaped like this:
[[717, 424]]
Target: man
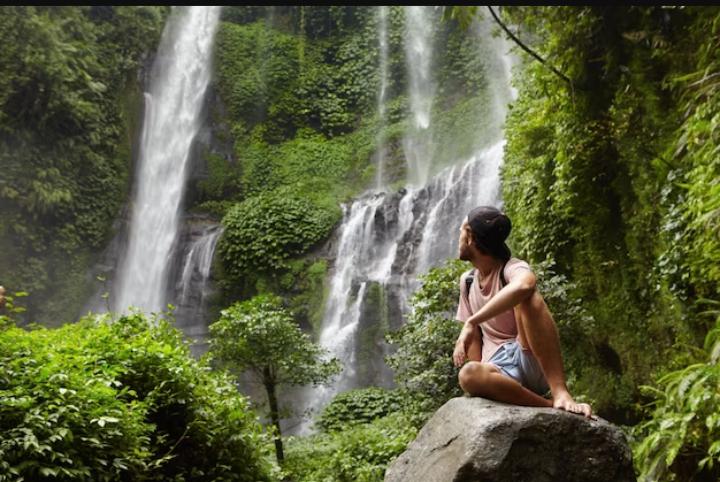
[[509, 336]]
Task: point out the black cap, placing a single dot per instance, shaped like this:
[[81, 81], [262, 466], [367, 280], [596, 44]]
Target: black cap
[[490, 228]]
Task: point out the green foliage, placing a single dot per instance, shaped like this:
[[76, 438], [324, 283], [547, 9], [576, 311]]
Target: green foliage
[[360, 406], [255, 64], [66, 76], [310, 163], [264, 231], [264, 80], [305, 282], [697, 148], [605, 180], [681, 440], [423, 360], [123, 400], [357, 453], [259, 335], [223, 182]]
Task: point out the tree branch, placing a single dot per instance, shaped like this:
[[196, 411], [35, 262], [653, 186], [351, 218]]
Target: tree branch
[[530, 51]]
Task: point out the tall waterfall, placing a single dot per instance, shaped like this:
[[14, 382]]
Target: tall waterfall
[[387, 240], [418, 47], [179, 79], [382, 19]]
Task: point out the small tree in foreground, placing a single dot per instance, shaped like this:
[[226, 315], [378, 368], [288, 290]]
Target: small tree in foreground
[[259, 335]]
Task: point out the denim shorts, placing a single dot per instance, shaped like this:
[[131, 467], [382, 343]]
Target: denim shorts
[[521, 366]]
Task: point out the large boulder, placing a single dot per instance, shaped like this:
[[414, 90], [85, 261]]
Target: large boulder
[[474, 439]]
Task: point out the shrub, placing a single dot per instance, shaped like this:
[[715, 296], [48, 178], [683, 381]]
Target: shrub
[[103, 401], [423, 360], [264, 231], [682, 437], [358, 453], [359, 406]]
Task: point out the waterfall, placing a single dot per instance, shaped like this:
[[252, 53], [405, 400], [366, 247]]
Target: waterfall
[[179, 79], [193, 287], [382, 14], [418, 54], [192, 284], [386, 240]]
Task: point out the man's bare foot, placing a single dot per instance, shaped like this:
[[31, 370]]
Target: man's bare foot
[[565, 402]]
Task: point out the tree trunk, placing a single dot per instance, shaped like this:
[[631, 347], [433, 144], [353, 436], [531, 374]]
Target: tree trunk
[[274, 414]]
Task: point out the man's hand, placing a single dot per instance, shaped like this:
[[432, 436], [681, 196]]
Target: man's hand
[[461, 345]]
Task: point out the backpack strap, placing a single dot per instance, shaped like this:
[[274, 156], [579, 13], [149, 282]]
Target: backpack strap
[[503, 281], [468, 283]]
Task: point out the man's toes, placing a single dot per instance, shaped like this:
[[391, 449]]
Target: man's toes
[[586, 409]]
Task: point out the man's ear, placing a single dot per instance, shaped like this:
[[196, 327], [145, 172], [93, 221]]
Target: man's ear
[[470, 237]]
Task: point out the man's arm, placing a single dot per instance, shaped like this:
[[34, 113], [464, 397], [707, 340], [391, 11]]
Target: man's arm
[[520, 287]]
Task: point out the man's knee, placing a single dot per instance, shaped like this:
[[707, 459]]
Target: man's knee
[[473, 376]]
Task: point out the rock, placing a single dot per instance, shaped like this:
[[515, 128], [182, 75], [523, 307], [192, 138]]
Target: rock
[[474, 439]]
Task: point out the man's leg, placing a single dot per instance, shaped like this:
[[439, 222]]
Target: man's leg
[[485, 380], [537, 331]]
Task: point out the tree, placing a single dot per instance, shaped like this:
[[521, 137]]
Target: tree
[[260, 336]]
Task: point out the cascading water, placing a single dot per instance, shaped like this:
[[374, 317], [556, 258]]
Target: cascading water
[[382, 19], [418, 53], [179, 79], [387, 239], [192, 285], [197, 265]]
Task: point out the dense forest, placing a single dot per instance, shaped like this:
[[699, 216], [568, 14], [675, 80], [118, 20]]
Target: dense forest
[[610, 175]]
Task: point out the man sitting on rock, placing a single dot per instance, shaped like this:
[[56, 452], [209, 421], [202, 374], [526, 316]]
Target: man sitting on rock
[[509, 336]]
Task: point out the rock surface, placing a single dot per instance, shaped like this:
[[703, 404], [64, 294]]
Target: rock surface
[[474, 439]]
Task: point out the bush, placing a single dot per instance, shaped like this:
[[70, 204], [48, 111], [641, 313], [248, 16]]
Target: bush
[[423, 360], [263, 232], [682, 437], [359, 406], [106, 401], [357, 453]]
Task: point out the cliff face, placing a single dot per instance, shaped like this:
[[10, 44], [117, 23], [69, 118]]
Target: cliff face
[[473, 439]]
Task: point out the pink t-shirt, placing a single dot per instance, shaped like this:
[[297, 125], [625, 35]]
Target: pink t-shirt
[[502, 328]]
